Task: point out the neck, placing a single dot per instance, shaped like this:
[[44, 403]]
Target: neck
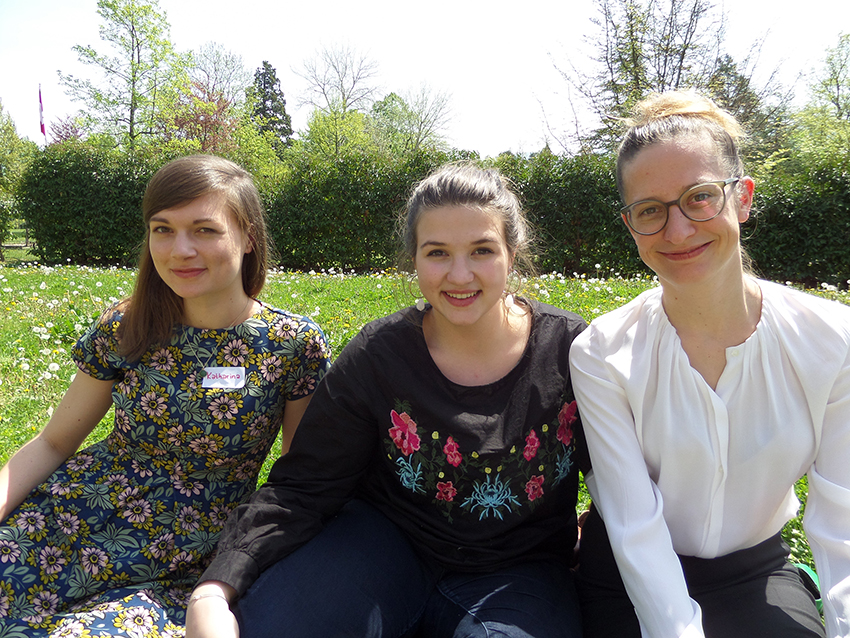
[[221, 314]]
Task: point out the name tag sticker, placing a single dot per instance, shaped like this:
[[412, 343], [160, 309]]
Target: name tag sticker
[[225, 378]]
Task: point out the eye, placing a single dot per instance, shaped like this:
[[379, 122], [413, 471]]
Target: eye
[[647, 209], [483, 251], [160, 230], [437, 252]]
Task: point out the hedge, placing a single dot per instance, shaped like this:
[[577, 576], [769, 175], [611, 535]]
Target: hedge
[[83, 205]]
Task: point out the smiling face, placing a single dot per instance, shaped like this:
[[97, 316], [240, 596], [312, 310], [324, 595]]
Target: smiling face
[[197, 250], [462, 262], [685, 251]]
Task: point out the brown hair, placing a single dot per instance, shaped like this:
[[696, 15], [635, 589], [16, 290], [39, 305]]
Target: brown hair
[[665, 116], [153, 309], [468, 185]]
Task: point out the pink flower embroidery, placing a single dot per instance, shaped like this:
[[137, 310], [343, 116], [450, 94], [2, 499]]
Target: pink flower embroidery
[[446, 491], [403, 432], [531, 445], [566, 418], [452, 452], [534, 487]]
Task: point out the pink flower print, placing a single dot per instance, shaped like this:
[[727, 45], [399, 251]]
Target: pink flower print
[[403, 432], [224, 410], [218, 515], [45, 603], [452, 452], [51, 560], [128, 385], [162, 360], [161, 547], [68, 523], [315, 347], [118, 480], [154, 405], [531, 445], [204, 446], [9, 551], [137, 511], [258, 425], [235, 352], [246, 470], [80, 463], [30, 522], [4, 604], [188, 520], [446, 491], [141, 470], [127, 495], [284, 329], [271, 368], [188, 488], [534, 487], [183, 560], [122, 420], [93, 560], [566, 418], [304, 386]]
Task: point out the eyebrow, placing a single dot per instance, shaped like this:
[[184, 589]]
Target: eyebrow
[[477, 242], [201, 220]]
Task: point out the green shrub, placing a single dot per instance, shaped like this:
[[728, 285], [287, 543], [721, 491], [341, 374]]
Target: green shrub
[[82, 204]]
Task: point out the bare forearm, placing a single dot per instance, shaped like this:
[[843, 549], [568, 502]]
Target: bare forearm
[[29, 467], [209, 615]]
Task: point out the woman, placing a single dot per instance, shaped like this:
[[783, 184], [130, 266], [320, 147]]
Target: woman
[[431, 487], [109, 541], [704, 401]]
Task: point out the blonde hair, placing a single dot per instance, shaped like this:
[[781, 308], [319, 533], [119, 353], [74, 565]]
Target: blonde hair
[[666, 116]]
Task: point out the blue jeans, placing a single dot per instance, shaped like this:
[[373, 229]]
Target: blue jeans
[[361, 578]]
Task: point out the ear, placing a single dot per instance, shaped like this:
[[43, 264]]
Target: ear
[[744, 191]]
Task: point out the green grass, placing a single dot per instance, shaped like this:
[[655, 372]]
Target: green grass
[[44, 309]]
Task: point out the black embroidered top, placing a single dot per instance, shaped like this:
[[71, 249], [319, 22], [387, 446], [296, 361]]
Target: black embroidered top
[[477, 477]]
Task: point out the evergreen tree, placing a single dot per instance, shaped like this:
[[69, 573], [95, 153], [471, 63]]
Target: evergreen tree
[[269, 107]]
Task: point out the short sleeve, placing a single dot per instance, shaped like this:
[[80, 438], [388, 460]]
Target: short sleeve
[[305, 348], [96, 351]]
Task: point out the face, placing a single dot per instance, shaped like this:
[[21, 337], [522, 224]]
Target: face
[[685, 251], [462, 263], [198, 249]]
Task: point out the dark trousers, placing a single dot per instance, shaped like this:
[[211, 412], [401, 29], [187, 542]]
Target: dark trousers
[[752, 593], [361, 578]]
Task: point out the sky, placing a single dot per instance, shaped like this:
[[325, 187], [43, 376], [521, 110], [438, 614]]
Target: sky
[[496, 60]]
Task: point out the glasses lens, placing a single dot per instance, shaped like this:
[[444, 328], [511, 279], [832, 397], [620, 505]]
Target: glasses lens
[[647, 217], [703, 202]]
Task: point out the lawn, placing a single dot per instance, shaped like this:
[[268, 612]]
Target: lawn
[[45, 308]]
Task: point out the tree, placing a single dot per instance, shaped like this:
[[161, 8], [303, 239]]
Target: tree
[[831, 87], [15, 155], [403, 125], [663, 45], [339, 80], [139, 81], [221, 72], [269, 107]]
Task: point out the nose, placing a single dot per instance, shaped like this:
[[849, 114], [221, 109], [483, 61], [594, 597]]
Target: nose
[[678, 226], [183, 246], [460, 272]]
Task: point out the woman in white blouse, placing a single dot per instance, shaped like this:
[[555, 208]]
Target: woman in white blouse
[[703, 402]]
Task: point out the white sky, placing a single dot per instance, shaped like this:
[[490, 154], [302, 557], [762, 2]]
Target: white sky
[[494, 58]]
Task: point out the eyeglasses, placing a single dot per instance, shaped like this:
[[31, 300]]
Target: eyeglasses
[[699, 203]]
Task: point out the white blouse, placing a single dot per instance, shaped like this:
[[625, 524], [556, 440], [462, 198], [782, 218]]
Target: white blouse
[[681, 468]]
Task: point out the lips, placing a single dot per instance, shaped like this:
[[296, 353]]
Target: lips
[[683, 255], [461, 299], [187, 273]]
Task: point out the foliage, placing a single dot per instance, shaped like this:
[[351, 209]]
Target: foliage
[[331, 136], [269, 107], [404, 125], [643, 46], [341, 213], [82, 203], [831, 87], [15, 155], [140, 80]]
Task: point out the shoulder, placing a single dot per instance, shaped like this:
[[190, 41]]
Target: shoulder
[[642, 315], [554, 322], [797, 313]]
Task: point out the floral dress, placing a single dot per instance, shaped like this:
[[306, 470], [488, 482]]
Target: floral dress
[[113, 542]]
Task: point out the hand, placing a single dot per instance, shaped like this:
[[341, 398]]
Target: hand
[[209, 615]]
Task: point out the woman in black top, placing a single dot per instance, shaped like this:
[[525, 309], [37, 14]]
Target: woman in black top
[[431, 488]]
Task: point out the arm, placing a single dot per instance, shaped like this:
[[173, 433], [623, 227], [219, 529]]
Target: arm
[[292, 412], [827, 517], [79, 412], [629, 501], [208, 614]]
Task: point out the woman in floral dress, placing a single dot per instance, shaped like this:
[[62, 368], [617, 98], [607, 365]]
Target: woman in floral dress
[[431, 487], [109, 540]]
